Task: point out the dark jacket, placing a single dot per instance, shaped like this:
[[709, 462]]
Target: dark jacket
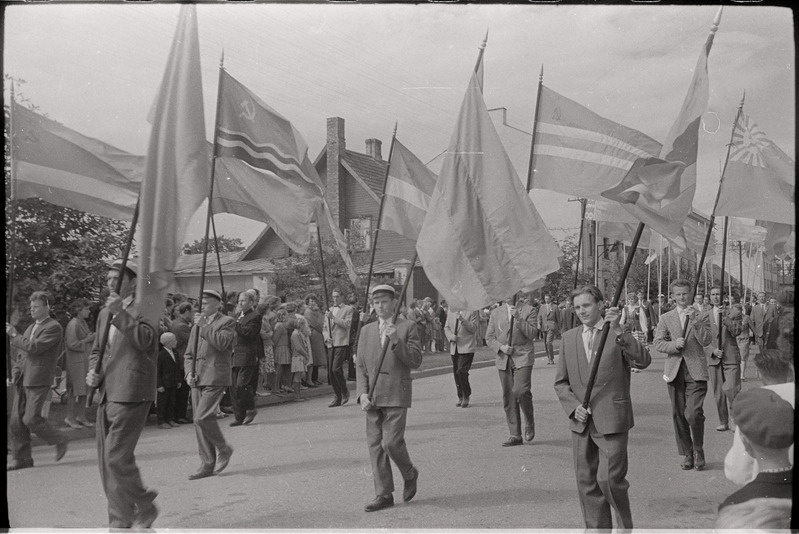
[[248, 347]]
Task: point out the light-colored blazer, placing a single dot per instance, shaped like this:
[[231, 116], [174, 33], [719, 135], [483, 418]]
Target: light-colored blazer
[[761, 318], [129, 365], [35, 366], [466, 337], [214, 351], [393, 389], [341, 334], [524, 332], [697, 337], [731, 327], [611, 406]]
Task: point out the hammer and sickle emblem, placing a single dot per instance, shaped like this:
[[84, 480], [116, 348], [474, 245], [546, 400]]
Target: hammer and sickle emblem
[[556, 114], [249, 110]]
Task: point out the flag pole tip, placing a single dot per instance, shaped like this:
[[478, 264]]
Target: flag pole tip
[[717, 20], [395, 127], [222, 60], [485, 41], [541, 74]]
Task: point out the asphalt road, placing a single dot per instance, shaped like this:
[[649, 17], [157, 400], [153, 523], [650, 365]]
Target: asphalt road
[[306, 466]]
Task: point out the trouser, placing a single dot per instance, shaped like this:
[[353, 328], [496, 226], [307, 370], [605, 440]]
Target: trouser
[[461, 363], [726, 381], [350, 365], [182, 400], [204, 401], [242, 392], [687, 397], [600, 466], [336, 370], [26, 417], [517, 397], [549, 338], [119, 425], [165, 405], [385, 437]]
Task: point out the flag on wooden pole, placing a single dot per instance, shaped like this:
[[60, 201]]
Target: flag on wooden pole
[[177, 172], [482, 239], [660, 191]]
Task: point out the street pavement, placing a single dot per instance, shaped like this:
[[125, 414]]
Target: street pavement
[[306, 466]]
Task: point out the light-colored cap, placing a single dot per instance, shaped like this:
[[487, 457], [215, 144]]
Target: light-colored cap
[[212, 293], [131, 265], [384, 288]]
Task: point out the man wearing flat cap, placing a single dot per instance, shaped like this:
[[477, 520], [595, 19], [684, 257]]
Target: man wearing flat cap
[[766, 424], [127, 388], [208, 379], [384, 393]]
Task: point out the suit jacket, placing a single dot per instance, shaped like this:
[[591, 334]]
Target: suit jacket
[[568, 319], [524, 332], [731, 328], [697, 337], [36, 365], [548, 320], [182, 331], [213, 351], [168, 372], [611, 406], [394, 387], [341, 334], [466, 337], [129, 365], [248, 348], [762, 319]]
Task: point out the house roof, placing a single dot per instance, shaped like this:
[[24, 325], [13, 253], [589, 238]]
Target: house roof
[[370, 170], [382, 267]]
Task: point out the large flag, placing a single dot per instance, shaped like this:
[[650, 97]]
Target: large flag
[[759, 180], [746, 231], [325, 216], [262, 167], [780, 238], [482, 239], [578, 152], [177, 172], [66, 168], [408, 189], [660, 191]]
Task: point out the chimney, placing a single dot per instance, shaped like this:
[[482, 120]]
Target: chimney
[[373, 149], [335, 177]]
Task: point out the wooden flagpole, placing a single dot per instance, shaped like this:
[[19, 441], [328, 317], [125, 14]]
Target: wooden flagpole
[[583, 202], [12, 246], [218, 259]]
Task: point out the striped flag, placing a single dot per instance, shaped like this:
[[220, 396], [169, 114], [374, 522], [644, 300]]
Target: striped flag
[[660, 191], [262, 167], [66, 168], [482, 239], [408, 189], [177, 172], [578, 152], [757, 164]]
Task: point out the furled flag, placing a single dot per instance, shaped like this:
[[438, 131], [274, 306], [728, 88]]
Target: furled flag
[[262, 166], [407, 196], [578, 152], [660, 191], [63, 167], [177, 172], [759, 180], [482, 239]]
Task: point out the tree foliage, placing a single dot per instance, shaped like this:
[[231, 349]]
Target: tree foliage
[[560, 283], [226, 244]]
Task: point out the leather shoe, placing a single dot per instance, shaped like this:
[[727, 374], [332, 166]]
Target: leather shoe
[[60, 450], [699, 460], [345, 398], [202, 473], [250, 416], [513, 441], [222, 459], [529, 434], [146, 517], [687, 462], [236, 423], [72, 424], [85, 422], [183, 421], [336, 402], [459, 403], [380, 502], [410, 486], [20, 464], [722, 428], [164, 426], [465, 402]]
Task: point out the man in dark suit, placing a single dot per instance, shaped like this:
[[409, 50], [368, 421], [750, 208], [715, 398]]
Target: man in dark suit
[[548, 324], [208, 379], [461, 331], [387, 405], [600, 431], [724, 365], [32, 376], [763, 314], [181, 327], [515, 358], [246, 351], [126, 384], [685, 371], [167, 381]]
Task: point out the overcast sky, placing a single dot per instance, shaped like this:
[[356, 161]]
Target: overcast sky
[[95, 68]]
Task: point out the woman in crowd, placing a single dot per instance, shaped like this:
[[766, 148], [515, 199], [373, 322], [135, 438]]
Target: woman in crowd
[[267, 308], [300, 355], [316, 322], [78, 340], [280, 338]]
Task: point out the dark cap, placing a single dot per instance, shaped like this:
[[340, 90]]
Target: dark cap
[[764, 417]]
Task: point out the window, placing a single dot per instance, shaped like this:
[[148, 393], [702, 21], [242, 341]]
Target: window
[[360, 234]]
